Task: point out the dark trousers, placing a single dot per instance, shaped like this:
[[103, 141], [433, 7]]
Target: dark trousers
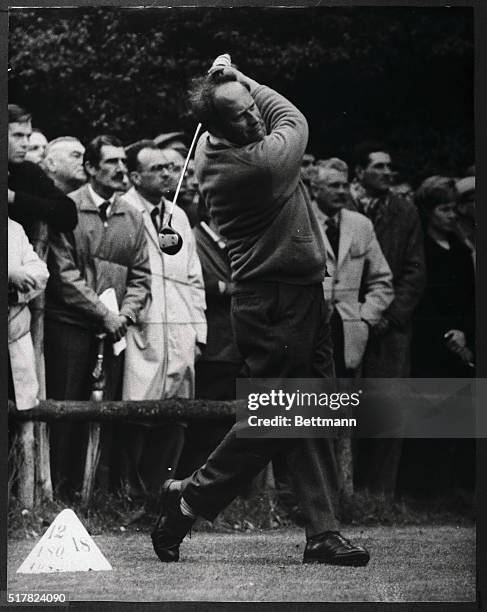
[[281, 331], [338, 340], [215, 380], [378, 460], [70, 355]]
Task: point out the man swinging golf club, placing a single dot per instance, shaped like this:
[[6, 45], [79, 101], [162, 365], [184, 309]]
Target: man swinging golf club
[[248, 169]]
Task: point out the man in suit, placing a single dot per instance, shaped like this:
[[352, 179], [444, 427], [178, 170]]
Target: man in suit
[[163, 347], [107, 250], [398, 230], [248, 167], [359, 286]]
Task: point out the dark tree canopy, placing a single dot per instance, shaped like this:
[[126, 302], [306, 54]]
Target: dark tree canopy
[[400, 74]]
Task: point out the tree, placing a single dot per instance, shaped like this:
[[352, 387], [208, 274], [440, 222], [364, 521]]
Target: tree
[[405, 74]]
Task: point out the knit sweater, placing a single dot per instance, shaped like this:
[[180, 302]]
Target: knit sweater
[[258, 200]]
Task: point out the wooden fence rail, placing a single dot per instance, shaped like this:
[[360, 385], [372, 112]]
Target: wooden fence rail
[[102, 411], [161, 411], [153, 410], [95, 412], [157, 411]]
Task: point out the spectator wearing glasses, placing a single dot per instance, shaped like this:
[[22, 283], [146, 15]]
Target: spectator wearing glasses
[[163, 347], [188, 195]]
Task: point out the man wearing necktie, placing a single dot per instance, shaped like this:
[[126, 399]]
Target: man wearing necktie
[[398, 229], [354, 261], [333, 231], [163, 347], [107, 250]]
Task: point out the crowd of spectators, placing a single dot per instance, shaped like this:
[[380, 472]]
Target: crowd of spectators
[[84, 218]]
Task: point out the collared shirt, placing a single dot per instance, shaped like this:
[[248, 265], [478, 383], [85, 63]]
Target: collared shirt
[[324, 220], [323, 217], [98, 200], [150, 207]]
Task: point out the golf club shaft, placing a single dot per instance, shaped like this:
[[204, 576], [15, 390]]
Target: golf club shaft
[[183, 171]]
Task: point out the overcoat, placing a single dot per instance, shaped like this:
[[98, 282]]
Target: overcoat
[[401, 239], [161, 348]]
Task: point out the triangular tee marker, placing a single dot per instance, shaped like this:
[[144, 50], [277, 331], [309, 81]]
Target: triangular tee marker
[[65, 547]]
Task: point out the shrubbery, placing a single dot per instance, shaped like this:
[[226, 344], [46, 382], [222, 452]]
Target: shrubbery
[[405, 74]]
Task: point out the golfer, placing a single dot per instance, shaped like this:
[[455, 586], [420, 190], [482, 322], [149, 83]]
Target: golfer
[[248, 168]]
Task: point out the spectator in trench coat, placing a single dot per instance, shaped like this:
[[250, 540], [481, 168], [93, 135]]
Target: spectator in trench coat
[[163, 346]]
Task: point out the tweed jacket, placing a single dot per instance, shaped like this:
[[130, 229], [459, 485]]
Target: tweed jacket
[[359, 285]]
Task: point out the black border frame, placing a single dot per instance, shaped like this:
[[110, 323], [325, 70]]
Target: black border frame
[[480, 33]]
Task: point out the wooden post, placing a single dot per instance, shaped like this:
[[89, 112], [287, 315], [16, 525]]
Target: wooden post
[[94, 430], [43, 463], [26, 482], [43, 483], [91, 463], [343, 448]]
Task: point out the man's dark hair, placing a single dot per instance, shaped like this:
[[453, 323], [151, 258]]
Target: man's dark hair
[[17, 114], [433, 191], [133, 150], [201, 96], [93, 148], [360, 155]]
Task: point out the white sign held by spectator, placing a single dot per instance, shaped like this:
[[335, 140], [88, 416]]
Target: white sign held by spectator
[[65, 547], [109, 298]]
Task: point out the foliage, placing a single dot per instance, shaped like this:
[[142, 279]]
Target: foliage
[[405, 74], [112, 512]]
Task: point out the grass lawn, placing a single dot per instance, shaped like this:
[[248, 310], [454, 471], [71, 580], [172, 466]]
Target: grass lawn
[[428, 563]]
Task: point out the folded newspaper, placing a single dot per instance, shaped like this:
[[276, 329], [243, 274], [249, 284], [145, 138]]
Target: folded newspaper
[[109, 298]]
